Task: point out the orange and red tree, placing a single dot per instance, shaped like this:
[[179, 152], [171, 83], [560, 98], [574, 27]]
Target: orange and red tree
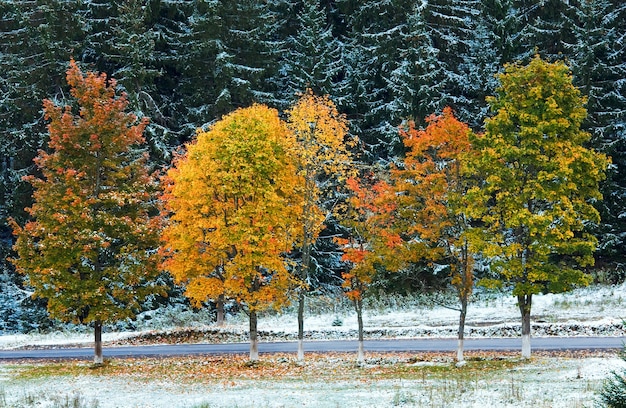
[[429, 188], [234, 205], [90, 249], [370, 244], [416, 215]]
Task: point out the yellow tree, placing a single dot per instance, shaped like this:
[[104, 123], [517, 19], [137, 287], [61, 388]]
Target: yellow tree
[[234, 206], [90, 248], [539, 185], [429, 187], [324, 162]]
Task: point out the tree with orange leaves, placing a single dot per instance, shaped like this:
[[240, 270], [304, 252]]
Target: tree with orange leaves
[[429, 188], [90, 248], [233, 203], [417, 215], [370, 243]]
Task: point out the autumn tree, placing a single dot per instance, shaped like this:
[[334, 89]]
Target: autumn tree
[[90, 249], [429, 186], [369, 244], [234, 206], [324, 161], [539, 185]]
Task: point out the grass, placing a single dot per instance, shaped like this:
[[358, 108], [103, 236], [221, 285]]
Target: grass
[[325, 367], [37, 399], [392, 380]]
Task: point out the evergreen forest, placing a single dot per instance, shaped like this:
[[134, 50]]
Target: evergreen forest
[[185, 64]]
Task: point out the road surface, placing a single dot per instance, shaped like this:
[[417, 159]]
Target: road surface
[[400, 345]]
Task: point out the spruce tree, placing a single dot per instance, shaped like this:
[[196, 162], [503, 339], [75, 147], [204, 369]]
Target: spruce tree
[[477, 74], [598, 56], [373, 54], [502, 25], [418, 81], [544, 28], [313, 56], [200, 47], [613, 393]]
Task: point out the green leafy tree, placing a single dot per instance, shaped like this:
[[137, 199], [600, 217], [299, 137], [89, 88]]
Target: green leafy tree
[[539, 185], [234, 206], [90, 249]]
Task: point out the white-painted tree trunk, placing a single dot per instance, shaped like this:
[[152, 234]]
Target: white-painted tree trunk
[[525, 303], [360, 358], [254, 350], [98, 359], [220, 311], [460, 359], [526, 346], [358, 304], [300, 350], [301, 325]]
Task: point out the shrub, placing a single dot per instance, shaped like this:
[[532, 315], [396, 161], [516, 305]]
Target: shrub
[[613, 393]]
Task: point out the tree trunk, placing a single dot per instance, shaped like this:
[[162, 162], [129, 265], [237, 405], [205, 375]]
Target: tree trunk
[[459, 351], [525, 303], [220, 310], [254, 341], [359, 316], [301, 325], [97, 358], [304, 266]]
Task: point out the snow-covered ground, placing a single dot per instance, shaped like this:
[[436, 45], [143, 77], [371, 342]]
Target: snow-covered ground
[[599, 310], [541, 382]]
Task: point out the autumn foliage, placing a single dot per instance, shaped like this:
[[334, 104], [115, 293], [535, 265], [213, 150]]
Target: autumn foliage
[[429, 188], [370, 244], [540, 182], [90, 249], [323, 157], [232, 201]]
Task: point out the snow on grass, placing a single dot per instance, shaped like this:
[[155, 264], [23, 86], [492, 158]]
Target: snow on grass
[[324, 381], [335, 381]]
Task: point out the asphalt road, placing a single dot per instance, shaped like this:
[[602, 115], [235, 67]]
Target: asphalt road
[[401, 345]]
